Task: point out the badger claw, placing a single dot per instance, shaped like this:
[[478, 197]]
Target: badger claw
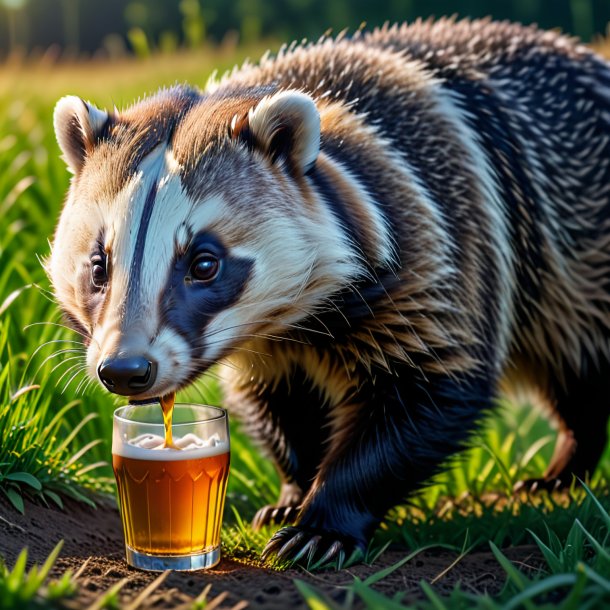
[[278, 541], [314, 550], [334, 553], [534, 485], [274, 515]]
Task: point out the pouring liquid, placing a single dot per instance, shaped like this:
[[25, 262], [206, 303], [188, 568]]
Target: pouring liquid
[[167, 405]]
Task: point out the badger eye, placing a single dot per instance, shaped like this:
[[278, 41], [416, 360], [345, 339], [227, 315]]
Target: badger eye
[[205, 267], [99, 277]]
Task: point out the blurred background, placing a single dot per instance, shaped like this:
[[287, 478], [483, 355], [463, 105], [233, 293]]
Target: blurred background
[[69, 28]]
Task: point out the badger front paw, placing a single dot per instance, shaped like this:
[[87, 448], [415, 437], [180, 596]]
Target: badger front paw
[[315, 549], [540, 484], [274, 515]]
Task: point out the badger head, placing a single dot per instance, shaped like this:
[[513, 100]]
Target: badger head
[[191, 227]]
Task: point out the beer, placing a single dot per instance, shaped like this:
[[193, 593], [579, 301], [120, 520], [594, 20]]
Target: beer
[[171, 497], [167, 406]]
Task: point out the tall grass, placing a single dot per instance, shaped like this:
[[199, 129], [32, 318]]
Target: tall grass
[[45, 396]]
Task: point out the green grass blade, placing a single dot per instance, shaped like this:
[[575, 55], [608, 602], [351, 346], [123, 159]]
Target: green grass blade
[[79, 454], [599, 549], [63, 446], [595, 577], [435, 600], [518, 579], [15, 577], [574, 599], [501, 467], [374, 600], [50, 560], [373, 555], [552, 583], [90, 467], [602, 511], [56, 420], [53, 496], [70, 490], [314, 598], [550, 557], [373, 578]]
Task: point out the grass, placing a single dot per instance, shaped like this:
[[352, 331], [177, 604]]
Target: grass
[[23, 589], [574, 575], [56, 427]]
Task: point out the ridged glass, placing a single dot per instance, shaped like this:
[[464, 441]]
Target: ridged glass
[[171, 500]]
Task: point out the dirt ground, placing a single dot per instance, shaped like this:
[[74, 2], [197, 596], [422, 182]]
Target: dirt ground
[[93, 544]]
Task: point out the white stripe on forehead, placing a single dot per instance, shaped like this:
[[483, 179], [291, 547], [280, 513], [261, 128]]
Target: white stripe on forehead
[[153, 215], [173, 215], [125, 236]]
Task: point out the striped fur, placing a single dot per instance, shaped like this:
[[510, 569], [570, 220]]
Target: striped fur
[[410, 221]]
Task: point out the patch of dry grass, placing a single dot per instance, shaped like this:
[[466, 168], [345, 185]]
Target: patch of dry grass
[[602, 44], [118, 82]]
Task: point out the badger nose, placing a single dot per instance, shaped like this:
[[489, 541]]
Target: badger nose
[[127, 375]]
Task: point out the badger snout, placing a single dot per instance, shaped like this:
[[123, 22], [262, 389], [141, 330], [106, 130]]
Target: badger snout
[[127, 375]]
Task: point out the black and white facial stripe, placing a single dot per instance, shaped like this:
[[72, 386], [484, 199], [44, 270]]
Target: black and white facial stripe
[[187, 304]]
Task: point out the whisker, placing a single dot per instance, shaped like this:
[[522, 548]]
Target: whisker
[[201, 361], [72, 378], [307, 276], [82, 383], [47, 294], [48, 343], [234, 326], [213, 375], [199, 389], [240, 348], [229, 365], [64, 361], [56, 341], [294, 326], [70, 368], [59, 353], [55, 324], [257, 336], [89, 385]]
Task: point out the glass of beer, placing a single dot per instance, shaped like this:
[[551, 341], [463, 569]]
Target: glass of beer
[[171, 499]]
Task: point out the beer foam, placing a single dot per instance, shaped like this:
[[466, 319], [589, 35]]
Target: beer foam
[[151, 447]]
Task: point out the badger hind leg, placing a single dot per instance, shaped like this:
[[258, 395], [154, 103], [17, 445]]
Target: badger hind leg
[[582, 406]]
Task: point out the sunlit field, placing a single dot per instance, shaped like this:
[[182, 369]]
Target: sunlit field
[[55, 423]]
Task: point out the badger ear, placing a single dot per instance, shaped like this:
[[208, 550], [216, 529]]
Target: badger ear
[[285, 126], [78, 125]]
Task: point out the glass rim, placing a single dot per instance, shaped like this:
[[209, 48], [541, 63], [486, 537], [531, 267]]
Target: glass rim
[[222, 414]]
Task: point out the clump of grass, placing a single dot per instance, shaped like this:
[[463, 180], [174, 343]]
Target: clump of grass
[[23, 589], [39, 452], [575, 575], [49, 446]]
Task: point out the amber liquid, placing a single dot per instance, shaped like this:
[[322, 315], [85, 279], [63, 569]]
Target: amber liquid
[[167, 406], [172, 507]]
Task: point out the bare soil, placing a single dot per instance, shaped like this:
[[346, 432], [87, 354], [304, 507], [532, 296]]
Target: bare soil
[[93, 544]]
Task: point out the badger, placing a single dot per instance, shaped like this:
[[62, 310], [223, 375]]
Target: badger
[[375, 236]]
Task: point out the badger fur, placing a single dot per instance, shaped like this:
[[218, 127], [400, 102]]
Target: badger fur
[[376, 236]]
